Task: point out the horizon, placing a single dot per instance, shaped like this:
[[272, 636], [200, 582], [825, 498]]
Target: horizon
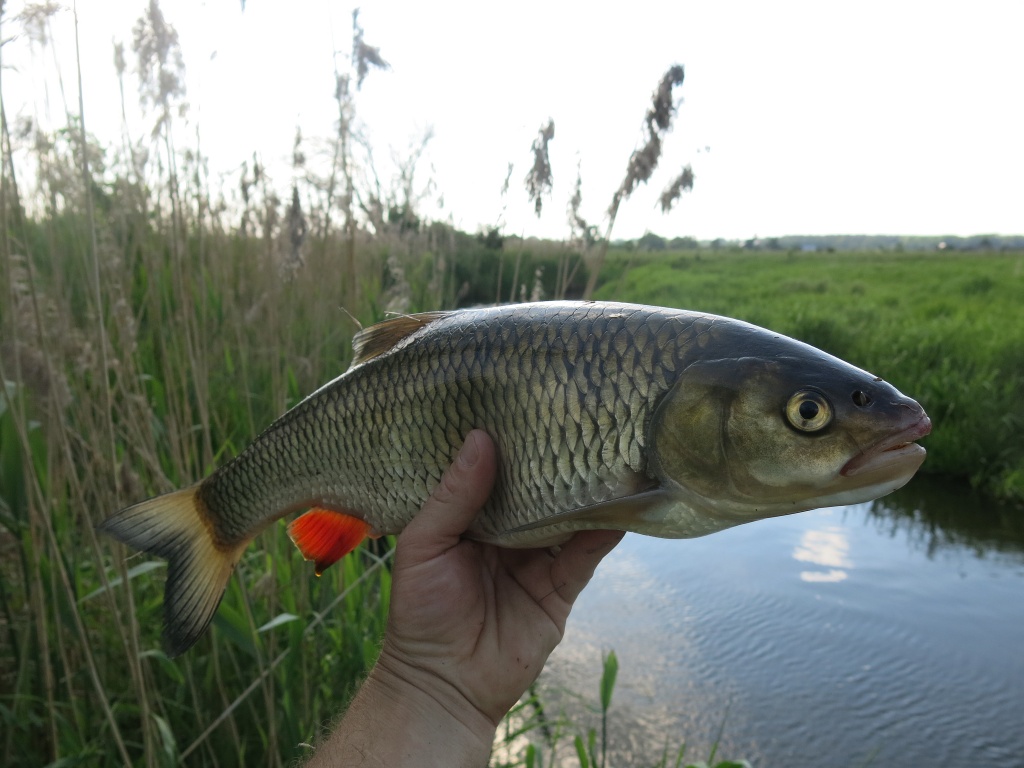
[[833, 235]]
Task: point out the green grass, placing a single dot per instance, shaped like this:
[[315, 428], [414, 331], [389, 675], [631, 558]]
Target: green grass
[[206, 344], [136, 383], [145, 384], [530, 737], [205, 348], [945, 328]]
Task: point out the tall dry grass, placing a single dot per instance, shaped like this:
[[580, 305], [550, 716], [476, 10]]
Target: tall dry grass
[[147, 332], [149, 328], [139, 351]]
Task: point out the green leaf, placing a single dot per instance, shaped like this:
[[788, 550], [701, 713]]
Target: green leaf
[[581, 753], [234, 626], [680, 754], [11, 388], [173, 670], [281, 618], [138, 570], [167, 739], [611, 670]]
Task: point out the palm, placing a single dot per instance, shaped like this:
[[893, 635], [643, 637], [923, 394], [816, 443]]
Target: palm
[[483, 618]]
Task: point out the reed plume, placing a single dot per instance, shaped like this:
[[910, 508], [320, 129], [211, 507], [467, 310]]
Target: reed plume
[[642, 162]]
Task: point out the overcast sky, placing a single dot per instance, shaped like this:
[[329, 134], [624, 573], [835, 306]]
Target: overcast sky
[[798, 118]]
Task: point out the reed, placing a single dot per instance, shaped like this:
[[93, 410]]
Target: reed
[[147, 332], [130, 369]]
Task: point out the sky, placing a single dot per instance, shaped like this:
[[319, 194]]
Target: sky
[[797, 117]]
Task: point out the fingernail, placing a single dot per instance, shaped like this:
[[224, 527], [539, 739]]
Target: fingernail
[[470, 452]]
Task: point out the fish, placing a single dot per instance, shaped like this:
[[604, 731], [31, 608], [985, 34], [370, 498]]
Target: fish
[[605, 415]]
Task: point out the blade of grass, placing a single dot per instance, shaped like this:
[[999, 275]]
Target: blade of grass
[[378, 563]]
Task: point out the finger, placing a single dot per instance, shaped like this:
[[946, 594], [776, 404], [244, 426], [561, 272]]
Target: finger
[[575, 564], [454, 504]]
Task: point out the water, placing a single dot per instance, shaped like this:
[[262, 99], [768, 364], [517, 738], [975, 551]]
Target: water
[[890, 632]]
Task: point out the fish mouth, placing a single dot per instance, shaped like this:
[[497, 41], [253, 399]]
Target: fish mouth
[[895, 452]]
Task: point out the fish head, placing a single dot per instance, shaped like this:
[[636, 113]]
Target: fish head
[[785, 430]]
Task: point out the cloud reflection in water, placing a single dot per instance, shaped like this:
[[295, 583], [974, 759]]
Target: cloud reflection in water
[[829, 548]]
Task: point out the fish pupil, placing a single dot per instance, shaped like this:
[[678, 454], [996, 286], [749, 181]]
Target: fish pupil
[[808, 410]]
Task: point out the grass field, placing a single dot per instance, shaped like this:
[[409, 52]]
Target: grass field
[[945, 328]]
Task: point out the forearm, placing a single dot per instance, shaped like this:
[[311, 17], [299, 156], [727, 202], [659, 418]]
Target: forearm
[[396, 721]]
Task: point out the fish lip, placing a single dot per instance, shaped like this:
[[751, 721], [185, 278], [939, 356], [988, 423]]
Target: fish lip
[[893, 449]]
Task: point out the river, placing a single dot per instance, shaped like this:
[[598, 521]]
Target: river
[[888, 634]]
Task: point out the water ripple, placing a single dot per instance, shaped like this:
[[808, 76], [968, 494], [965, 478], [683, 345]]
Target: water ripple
[[910, 657]]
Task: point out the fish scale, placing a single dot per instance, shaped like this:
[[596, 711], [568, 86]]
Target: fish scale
[[462, 395]]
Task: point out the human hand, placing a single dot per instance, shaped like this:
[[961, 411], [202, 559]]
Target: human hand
[[474, 621], [470, 628]]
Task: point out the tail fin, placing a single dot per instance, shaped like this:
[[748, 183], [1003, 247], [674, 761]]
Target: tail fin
[[175, 526]]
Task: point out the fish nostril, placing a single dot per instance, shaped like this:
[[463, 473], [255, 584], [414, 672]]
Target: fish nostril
[[861, 399]]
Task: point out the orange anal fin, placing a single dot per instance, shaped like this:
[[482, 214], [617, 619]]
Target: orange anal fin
[[325, 537]]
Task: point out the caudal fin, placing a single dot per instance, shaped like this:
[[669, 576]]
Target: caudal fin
[[174, 526]]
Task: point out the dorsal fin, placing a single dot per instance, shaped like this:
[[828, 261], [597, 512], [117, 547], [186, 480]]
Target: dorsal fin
[[382, 337]]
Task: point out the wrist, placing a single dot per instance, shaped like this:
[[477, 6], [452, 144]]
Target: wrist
[[443, 706], [406, 717]]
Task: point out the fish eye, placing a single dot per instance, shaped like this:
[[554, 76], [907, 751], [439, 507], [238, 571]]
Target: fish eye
[[809, 411]]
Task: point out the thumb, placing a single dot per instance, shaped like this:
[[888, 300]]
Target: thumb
[[453, 505]]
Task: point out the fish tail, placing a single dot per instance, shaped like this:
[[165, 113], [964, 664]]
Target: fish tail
[[177, 527]]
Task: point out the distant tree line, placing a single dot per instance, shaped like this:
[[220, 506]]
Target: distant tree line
[[652, 242]]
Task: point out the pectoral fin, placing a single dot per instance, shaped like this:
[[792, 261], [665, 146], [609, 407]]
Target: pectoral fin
[[665, 511], [628, 513], [325, 536]]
